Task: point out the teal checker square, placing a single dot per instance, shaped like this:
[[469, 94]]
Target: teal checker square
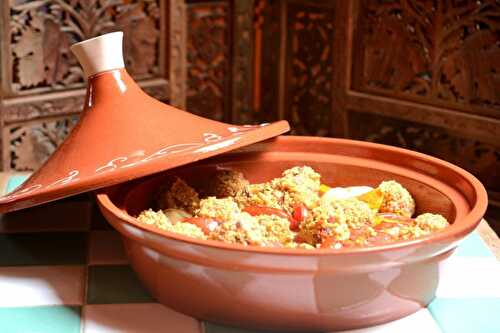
[[467, 315], [40, 319], [473, 246]]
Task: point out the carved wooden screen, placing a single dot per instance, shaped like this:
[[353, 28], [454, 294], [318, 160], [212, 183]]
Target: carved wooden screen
[[208, 62], [42, 85], [219, 55], [424, 75], [295, 64]]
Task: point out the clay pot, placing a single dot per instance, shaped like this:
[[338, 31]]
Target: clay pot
[[294, 289]]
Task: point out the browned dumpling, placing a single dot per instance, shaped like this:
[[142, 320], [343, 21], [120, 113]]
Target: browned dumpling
[[225, 183], [178, 195]]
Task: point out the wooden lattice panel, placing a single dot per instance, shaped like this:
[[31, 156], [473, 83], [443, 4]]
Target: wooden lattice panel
[[310, 61], [208, 62], [31, 143], [445, 53], [40, 33]]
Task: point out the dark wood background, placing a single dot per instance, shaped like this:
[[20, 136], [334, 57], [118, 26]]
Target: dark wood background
[[424, 75]]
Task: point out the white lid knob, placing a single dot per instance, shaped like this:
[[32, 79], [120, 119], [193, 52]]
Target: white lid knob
[[100, 54]]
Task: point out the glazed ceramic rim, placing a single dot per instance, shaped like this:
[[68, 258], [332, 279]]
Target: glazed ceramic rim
[[453, 233]]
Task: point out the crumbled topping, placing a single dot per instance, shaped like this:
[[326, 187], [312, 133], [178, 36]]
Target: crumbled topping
[[397, 199], [292, 211], [431, 222], [160, 220]]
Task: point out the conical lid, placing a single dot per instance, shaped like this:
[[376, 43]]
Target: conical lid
[[125, 134]]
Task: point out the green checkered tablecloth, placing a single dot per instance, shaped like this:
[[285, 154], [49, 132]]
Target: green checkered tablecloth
[[63, 269]]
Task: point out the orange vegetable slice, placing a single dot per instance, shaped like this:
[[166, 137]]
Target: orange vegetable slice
[[374, 199]]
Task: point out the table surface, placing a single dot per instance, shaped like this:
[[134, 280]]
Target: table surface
[[89, 287]]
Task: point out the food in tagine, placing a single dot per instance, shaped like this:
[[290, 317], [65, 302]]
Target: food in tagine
[[295, 211]]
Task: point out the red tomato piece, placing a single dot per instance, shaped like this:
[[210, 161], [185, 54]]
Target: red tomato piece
[[294, 224], [263, 210], [206, 224], [300, 213]]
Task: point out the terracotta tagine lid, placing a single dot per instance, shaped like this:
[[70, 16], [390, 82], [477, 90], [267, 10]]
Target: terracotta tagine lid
[[125, 134]]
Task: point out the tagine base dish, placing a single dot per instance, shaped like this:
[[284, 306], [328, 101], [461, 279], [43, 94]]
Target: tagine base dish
[[295, 289]]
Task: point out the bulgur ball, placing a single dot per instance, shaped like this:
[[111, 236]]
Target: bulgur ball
[[431, 222], [300, 185], [303, 176], [244, 229], [225, 209], [263, 194], [397, 199], [334, 220], [355, 212], [324, 222]]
